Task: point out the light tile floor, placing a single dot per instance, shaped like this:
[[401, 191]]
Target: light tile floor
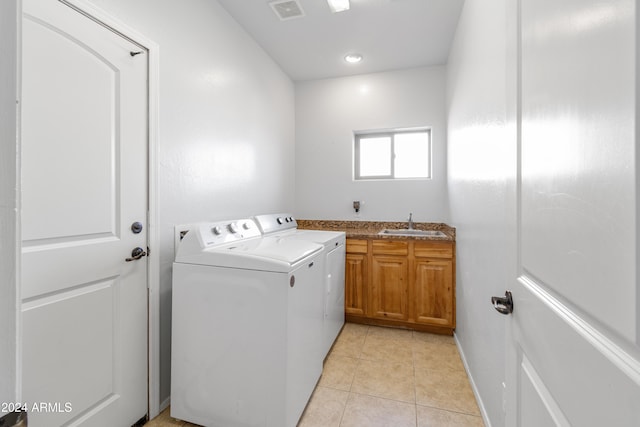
[[384, 377]]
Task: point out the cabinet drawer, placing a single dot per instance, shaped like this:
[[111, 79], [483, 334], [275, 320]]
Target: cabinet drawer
[[390, 247], [433, 250], [356, 246]]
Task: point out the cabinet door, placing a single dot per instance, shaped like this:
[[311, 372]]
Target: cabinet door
[[388, 298], [354, 286], [434, 301]]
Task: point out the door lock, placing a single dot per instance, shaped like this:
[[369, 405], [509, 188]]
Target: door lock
[[136, 254], [504, 304]]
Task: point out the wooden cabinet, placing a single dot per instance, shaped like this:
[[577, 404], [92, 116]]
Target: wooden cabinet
[[389, 280], [408, 283], [356, 272], [433, 284], [433, 303]]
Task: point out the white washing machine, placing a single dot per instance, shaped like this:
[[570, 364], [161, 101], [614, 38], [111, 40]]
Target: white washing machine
[[246, 326], [284, 225]]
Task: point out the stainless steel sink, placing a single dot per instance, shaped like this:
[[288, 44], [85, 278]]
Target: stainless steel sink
[[412, 232]]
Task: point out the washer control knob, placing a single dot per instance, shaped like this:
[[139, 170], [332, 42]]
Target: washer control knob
[[233, 227], [280, 220], [246, 225], [216, 230]]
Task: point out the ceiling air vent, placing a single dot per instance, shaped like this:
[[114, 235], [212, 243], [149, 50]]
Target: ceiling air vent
[[287, 9]]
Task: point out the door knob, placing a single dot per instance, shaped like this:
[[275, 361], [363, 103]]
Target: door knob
[[136, 254], [504, 304]]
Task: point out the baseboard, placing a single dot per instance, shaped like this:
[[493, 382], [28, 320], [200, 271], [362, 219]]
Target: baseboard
[[165, 404], [483, 410]]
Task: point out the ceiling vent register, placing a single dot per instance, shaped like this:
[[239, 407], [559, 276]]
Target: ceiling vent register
[[287, 9]]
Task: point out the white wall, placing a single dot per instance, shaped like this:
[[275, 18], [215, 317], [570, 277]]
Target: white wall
[[226, 136], [8, 201], [482, 162], [329, 111]]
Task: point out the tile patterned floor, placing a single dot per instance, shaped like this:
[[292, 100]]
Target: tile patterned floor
[[383, 377]]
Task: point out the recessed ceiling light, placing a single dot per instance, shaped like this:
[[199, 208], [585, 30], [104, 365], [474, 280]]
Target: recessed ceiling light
[[338, 5], [353, 58]]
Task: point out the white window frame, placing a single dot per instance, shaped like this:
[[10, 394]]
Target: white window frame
[[390, 134]]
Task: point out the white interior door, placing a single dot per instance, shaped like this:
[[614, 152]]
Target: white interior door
[[84, 183], [573, 355]]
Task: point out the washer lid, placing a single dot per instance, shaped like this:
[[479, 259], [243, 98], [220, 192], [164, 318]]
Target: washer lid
[[267, 253]]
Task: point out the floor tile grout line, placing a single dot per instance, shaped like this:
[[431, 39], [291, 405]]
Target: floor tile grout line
[[350, 393], [344, 409], [415, 382], [450, 410], [383, 398]]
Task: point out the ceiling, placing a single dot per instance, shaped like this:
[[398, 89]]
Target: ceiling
[[390, 34]]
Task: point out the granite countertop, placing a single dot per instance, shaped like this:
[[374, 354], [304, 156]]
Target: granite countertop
[[370, 229]]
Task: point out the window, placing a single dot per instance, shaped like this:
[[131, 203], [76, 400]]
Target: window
[[396, 154]]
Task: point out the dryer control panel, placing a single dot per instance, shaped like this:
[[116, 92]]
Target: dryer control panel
[[271, 223]]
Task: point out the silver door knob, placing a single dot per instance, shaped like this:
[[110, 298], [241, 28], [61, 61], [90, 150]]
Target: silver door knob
[[503, 305], [136, 254]]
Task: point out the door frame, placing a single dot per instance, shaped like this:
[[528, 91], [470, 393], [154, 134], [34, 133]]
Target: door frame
[[153, 265]]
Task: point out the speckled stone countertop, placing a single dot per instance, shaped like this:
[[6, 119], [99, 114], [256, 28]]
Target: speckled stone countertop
[[370, 229]]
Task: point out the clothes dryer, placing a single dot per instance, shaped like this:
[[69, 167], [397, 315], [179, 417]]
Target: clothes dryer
[[284, 225]]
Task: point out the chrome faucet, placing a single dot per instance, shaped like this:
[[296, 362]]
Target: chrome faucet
[[410, 225]]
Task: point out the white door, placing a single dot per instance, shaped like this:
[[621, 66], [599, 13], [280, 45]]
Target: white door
[[84, 183], [573, 337]]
